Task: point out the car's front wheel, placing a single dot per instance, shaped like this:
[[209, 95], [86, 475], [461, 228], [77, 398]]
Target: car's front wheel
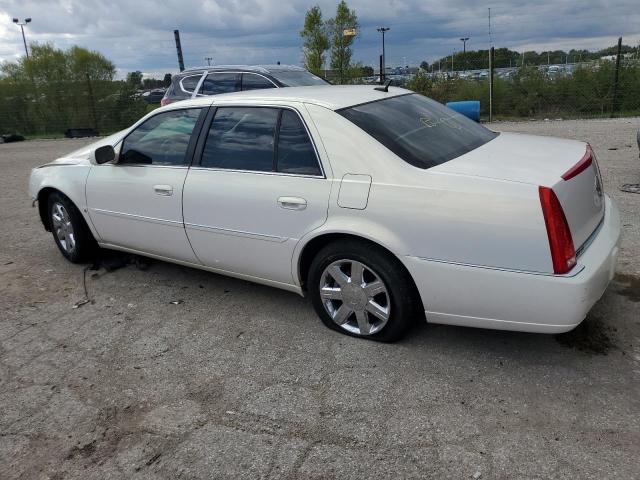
[[359, 289], [70, 232]]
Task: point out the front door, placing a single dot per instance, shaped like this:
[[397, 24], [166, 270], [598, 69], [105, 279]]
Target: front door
[[136, 203], [257, 189]]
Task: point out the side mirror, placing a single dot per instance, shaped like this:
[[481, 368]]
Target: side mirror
[[105, 154]]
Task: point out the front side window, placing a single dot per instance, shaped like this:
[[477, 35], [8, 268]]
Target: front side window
[[419, 130], [217, 83], [241, 139], [161, 140], [295, 150], [251, 81]]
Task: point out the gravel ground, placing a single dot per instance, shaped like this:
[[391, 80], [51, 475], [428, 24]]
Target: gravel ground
[[242, 381]]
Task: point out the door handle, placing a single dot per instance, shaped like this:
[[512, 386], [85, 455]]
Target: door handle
[[292, 203], [163, 190]]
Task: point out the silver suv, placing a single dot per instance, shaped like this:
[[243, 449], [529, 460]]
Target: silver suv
[[202, 81]]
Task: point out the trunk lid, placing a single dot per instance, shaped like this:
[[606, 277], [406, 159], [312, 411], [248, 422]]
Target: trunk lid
[[542, 161]]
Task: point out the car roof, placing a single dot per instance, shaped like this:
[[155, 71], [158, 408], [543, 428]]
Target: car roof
[[333, 97], [245, 68]]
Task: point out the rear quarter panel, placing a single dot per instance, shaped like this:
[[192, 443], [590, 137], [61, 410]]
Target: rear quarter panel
[[432, 215]]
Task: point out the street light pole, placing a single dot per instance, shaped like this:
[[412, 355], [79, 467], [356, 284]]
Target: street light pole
[[464, 50], [382, 30], [24, 39]]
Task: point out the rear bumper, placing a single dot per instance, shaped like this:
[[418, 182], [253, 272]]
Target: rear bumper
[[510, 300]]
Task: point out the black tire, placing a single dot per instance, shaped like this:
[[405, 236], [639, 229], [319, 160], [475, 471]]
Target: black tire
[[405, 304], [84, 245]]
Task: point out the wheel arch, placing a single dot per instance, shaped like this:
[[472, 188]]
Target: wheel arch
[[43, 201], [43, 197], [311, 248]]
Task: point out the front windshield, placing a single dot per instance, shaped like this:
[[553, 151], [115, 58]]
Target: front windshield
[[297, 78], [419, 130]]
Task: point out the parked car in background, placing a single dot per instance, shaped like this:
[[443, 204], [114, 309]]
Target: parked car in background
[[204, 81], [383, 206], [153, 96]]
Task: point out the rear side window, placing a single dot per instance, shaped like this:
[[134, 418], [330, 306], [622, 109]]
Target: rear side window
[[241, 139], [190, 83], [419, 130], [295, 150], [251, 81], [161, 140], [217, 83]]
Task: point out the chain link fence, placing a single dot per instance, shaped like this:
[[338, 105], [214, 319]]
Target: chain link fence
[[609, 87], [600, 88], [52, 108]]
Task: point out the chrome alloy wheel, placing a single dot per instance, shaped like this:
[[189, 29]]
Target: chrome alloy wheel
[[355, 297], [63, 228]]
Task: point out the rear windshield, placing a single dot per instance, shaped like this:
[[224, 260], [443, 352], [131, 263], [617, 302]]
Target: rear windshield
[[419, 130], [297, 78]]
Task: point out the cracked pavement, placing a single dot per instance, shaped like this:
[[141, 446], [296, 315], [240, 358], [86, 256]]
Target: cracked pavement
[[243, 381]]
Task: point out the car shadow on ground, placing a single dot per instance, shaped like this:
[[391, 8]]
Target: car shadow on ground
[[592, 337]]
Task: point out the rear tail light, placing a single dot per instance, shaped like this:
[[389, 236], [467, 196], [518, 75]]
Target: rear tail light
[[581, 166], [563, 253], [165, 101]]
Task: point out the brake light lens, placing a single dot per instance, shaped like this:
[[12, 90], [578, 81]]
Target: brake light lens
[[581, 166], [164, 101], [563, 253]]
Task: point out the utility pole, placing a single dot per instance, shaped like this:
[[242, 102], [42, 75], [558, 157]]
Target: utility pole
[[176, 36], [490, 40], [491, 66], [614, 100], [24, 40], [383, 30], [464, 51], [208, 59]]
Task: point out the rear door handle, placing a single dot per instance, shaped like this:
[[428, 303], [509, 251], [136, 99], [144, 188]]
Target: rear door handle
[[165, 190], [292, 203]]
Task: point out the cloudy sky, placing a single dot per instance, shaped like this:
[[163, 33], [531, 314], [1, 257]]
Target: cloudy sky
[[138, 34]]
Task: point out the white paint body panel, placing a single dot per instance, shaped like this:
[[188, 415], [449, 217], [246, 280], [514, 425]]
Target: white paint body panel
[[470, 231], [126, 210], [235, 223]]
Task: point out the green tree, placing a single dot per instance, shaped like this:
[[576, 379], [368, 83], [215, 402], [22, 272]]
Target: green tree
[[315, 40], [56, 89], [340, 43], [135, 78]]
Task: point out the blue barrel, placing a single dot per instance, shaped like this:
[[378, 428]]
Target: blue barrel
[[469, 108]]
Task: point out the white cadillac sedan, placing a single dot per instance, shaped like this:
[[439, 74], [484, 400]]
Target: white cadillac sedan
[[383, 206]]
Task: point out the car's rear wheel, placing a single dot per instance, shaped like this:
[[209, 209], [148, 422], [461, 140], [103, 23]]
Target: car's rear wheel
[[361, 290], [70, 232]]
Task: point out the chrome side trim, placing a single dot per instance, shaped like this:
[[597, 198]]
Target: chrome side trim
[[591, 238], [141, 218], [258, 172], [574, 271], [236, 233]]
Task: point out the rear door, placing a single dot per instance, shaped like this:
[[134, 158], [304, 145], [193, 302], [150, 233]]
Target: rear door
[[257, 189]]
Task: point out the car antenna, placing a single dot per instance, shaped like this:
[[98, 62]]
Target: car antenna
[[384, 88]]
